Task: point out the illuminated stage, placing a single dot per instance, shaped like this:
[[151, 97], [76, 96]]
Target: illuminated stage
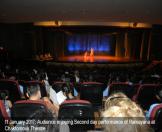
[[77, 58]]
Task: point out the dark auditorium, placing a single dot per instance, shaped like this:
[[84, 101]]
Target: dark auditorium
[[80, 66]]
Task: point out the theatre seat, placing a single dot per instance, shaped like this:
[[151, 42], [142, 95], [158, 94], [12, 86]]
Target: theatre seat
[[124, 87], [12, 87], [25, 108], [156, 115], [146, 95], [92, 91], [3, 116], [77, 110]]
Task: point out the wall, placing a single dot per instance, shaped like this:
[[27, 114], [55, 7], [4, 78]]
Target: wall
[[25, 40]]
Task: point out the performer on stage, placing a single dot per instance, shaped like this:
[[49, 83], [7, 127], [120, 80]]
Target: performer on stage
[[85, 55], [92, 52]]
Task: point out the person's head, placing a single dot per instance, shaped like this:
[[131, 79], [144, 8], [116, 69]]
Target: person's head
[[121, 100], [33, 92], [114, 99], [122, 115], [4, 95], [41, 115], [120, 108]]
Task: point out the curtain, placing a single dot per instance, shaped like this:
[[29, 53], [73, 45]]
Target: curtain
[[80, 43]]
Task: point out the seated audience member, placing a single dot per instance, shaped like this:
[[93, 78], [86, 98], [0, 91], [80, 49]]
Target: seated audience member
[[22, 91], [120, 108], [42, 115], [7, 103], [63, 78], [90, 78], [20, 86], [67, 90], [76, 76], [44, 79], [106, 91], [12, 77], [76, 80], [2, 75], [159, 100], [33, 92]]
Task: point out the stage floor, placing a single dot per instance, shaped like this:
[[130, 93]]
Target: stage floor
[[94, 59]]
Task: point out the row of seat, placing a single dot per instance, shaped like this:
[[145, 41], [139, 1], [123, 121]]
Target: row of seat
[[13, 88], [144, 94], [91, 91], [87, 90], [69, 110]]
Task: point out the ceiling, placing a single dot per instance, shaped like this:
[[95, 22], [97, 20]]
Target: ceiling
[[20, 11]]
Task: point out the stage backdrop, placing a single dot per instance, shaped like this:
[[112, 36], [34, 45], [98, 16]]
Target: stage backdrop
[[78, 44], [25, 41]]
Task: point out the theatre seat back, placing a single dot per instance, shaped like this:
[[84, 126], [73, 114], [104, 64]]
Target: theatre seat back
[[12, 87], [146, 95], [24, 109], [92, 91], [79, 110], [126, 88], [156, 115], [58, 86]]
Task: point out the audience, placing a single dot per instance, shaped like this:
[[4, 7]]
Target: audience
[[116, 105]]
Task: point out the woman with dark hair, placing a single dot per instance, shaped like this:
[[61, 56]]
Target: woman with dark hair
[[43, 121], [40, 116]]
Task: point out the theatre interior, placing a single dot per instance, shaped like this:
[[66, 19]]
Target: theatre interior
[[81, 66]]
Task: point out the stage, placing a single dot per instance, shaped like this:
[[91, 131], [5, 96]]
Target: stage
[[100, 59]]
